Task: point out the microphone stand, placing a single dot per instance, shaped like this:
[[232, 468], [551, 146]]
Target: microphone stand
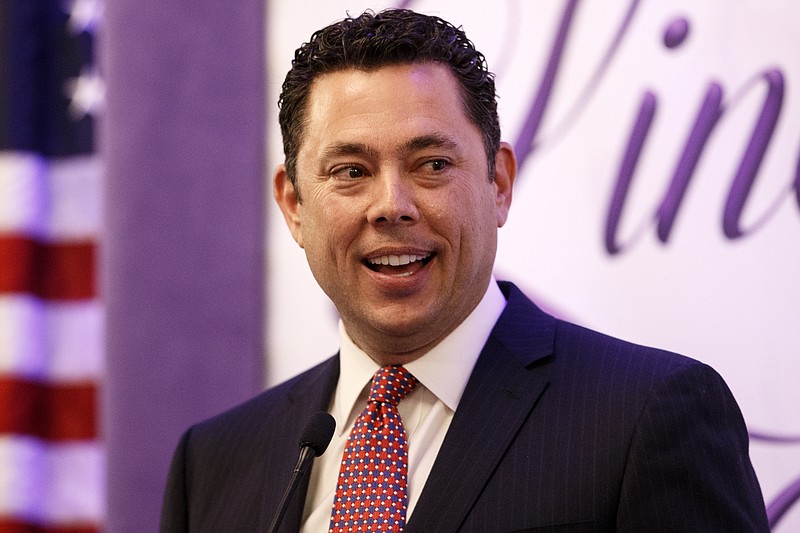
[[313, 442], [307, 455]]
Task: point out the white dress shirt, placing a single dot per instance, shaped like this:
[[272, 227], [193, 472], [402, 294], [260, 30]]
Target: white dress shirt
[[427, 411]]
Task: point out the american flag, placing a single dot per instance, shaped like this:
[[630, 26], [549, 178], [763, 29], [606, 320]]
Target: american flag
[[51, 318]]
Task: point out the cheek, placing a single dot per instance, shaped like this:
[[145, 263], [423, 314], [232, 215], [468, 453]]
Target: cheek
[[327, 229], [458, 220], [475, 209], [479, 224]]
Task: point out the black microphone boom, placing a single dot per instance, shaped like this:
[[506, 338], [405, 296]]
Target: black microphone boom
[[313, 442]]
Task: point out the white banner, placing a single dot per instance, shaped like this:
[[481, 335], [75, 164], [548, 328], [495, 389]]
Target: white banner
[[659, 192]]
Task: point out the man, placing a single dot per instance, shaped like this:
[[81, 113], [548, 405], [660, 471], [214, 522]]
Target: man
[[395, 183]]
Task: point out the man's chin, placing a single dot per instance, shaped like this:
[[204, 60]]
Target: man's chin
[[400, 339]]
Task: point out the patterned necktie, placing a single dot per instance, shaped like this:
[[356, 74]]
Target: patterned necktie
[[371, 492]]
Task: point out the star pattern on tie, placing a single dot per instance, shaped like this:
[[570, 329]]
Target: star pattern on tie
[[371, 492]]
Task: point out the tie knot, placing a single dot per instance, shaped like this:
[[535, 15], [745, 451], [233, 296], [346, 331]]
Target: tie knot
[[391, 384]]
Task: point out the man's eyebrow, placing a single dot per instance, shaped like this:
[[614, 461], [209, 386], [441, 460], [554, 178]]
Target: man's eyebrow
[[345, 149], [434, 140], [422, 142]]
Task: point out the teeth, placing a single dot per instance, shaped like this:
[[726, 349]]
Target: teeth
[[396, 260]]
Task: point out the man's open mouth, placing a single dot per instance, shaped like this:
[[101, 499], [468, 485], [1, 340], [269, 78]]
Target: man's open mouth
[[398, 265]]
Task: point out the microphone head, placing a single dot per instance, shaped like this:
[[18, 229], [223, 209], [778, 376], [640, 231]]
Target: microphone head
[[318, 432]]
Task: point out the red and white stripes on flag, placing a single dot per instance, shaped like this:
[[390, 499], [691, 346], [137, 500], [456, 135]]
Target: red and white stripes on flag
[[52, 469]]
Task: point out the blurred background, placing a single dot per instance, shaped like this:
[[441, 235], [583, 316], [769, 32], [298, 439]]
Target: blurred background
[[148, 282]]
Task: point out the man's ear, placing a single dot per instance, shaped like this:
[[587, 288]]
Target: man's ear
[[289, 203], [504, 176]]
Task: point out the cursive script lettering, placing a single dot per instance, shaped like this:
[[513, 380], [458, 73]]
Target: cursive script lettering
[[711, 110]]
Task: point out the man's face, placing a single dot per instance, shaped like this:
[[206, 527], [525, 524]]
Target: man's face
[[398, 217]]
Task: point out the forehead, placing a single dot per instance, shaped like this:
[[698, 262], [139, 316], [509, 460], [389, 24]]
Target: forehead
[[386, 101]]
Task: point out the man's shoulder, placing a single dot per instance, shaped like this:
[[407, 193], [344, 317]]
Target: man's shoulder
[[594, 350], [583, 349], [273, 403]]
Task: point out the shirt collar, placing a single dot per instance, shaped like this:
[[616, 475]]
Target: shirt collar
[[444, 370]]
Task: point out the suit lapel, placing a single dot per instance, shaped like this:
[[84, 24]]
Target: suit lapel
[[502, 391]]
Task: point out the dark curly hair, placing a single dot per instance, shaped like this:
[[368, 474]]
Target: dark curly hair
[[390, 37]]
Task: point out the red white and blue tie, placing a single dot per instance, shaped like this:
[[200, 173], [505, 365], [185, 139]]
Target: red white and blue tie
[[371, 492]]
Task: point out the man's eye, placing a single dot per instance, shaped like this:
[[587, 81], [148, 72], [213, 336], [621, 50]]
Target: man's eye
[[438, 165], [348, 172]]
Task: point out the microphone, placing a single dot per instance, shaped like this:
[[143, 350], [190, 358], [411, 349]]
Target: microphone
[[313, 442]]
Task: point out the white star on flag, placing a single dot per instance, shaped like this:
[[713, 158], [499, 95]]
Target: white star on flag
[[86, 94], [84, 15]]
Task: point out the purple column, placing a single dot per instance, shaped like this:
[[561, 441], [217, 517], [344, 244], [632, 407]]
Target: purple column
[[182, 252]]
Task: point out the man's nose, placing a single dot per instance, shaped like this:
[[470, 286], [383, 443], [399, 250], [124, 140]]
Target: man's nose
[[393, 201]]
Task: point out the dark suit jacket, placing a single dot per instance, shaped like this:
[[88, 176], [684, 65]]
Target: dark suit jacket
[[559, 429]]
